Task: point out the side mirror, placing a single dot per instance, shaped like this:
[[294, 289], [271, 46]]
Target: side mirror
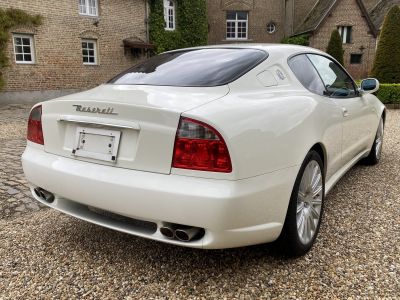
[[369, 86]]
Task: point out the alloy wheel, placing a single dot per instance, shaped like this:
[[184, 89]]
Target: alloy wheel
[[379, 140], [309, 202]]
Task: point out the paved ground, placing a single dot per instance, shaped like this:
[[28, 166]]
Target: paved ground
[[44, 254], [15, 196]]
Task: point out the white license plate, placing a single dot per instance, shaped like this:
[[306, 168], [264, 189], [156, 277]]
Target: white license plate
[[97, 143]]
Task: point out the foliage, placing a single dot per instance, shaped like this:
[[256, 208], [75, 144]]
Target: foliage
[[387, 61], [191, 25], [389, 93], [335, 46], [302, 40], [8, 19]]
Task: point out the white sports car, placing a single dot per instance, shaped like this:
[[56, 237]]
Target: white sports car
[[210, 147]]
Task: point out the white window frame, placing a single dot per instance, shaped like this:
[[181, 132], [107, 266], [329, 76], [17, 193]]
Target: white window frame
[[170, 13], [344, 31], [86, 8], [236, 22], [94, 42], [271, 28], [31, 45]]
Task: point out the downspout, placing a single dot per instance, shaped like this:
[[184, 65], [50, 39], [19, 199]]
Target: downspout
[[146, 13]]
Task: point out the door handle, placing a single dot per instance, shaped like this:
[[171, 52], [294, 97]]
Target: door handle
[[345, 112]]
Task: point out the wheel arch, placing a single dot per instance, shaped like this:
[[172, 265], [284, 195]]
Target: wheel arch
[[384, 116], [320, 149]]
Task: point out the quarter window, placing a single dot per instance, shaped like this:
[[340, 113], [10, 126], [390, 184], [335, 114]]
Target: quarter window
[[169, 14], [88, 7], [306, 74], [89, 52], [236, 25], [345, 33], [337, 83], [23, 49]]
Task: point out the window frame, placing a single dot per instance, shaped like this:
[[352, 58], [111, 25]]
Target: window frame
[[167, 9], [271, 25], [357, 92], [96, 60], [345, 34], [87, 8], [31, 45], [236, 24]]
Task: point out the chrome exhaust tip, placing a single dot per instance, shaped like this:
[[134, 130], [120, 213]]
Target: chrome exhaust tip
[[167, 231], [186, 234], [44, 195]]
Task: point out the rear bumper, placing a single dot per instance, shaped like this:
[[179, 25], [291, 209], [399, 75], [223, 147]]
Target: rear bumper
[[233, 213]]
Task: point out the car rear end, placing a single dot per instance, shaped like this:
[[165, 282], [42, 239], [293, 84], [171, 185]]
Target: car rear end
[[129, 157]]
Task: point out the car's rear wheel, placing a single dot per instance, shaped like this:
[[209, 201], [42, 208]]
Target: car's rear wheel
[[376, 150], [305, 210]]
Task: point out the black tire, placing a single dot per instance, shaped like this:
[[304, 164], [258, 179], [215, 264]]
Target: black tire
[[289, 241], [374, 157]]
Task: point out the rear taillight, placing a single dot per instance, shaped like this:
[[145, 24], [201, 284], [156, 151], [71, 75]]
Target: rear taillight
[[35, 133], [198, 146]]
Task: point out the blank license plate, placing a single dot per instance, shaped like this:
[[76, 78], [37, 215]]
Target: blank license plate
[[97, 143]]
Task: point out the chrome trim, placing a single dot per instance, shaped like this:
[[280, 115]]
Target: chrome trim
[[93, 121]]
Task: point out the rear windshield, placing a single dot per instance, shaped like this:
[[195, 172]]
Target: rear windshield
[[200, 67]]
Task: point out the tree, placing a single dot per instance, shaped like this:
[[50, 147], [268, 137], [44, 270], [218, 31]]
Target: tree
[[387, 60], [335, 46]]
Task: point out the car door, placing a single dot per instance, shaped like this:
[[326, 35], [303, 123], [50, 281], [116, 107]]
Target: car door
[[329, 113], [341, 88]]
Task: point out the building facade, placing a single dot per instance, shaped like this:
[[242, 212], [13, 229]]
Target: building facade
[[269, 21], [81, 43]]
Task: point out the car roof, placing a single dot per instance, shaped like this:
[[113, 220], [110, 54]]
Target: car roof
[[287, 49]]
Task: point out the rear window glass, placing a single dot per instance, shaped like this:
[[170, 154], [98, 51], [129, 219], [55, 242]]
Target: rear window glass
[[200, 67]]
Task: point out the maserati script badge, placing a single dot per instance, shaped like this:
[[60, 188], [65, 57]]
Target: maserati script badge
[[95, 110]]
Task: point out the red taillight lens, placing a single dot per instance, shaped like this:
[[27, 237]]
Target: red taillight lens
[[198, 146], [35, 133]]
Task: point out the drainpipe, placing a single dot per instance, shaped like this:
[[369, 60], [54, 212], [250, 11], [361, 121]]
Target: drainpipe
[[146, 13]]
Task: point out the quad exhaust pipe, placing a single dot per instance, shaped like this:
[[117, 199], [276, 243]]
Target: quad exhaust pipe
[[181, 233]]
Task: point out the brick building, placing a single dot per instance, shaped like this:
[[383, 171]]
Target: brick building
[[80, 44], [271, 20]]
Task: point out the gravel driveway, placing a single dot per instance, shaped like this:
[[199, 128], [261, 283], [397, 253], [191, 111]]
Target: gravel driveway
[[45, 254]]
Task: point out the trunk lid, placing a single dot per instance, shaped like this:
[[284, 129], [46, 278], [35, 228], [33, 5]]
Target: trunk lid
[[145, 119]]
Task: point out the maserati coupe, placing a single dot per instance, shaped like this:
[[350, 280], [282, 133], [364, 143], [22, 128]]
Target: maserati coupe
[[209, 147]]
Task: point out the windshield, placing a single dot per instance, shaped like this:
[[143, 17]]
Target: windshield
[[198, 68]]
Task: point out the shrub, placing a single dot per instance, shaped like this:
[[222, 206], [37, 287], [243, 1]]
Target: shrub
[[387, 60], [191, 25], [302, 40], [8, 19], [389, 93], [335, 46]]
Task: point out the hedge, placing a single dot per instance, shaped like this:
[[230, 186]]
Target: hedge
[[389, 93]]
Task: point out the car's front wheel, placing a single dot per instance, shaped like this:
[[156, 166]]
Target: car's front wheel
[[305, 208]]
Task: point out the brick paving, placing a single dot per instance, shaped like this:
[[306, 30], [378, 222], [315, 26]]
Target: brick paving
[[15, 196]]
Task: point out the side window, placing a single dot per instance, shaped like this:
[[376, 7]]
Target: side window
[[337, 82], [306, 74]]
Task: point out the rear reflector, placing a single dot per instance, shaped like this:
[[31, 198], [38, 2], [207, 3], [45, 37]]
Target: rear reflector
[[35, 133], [198, 146]]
